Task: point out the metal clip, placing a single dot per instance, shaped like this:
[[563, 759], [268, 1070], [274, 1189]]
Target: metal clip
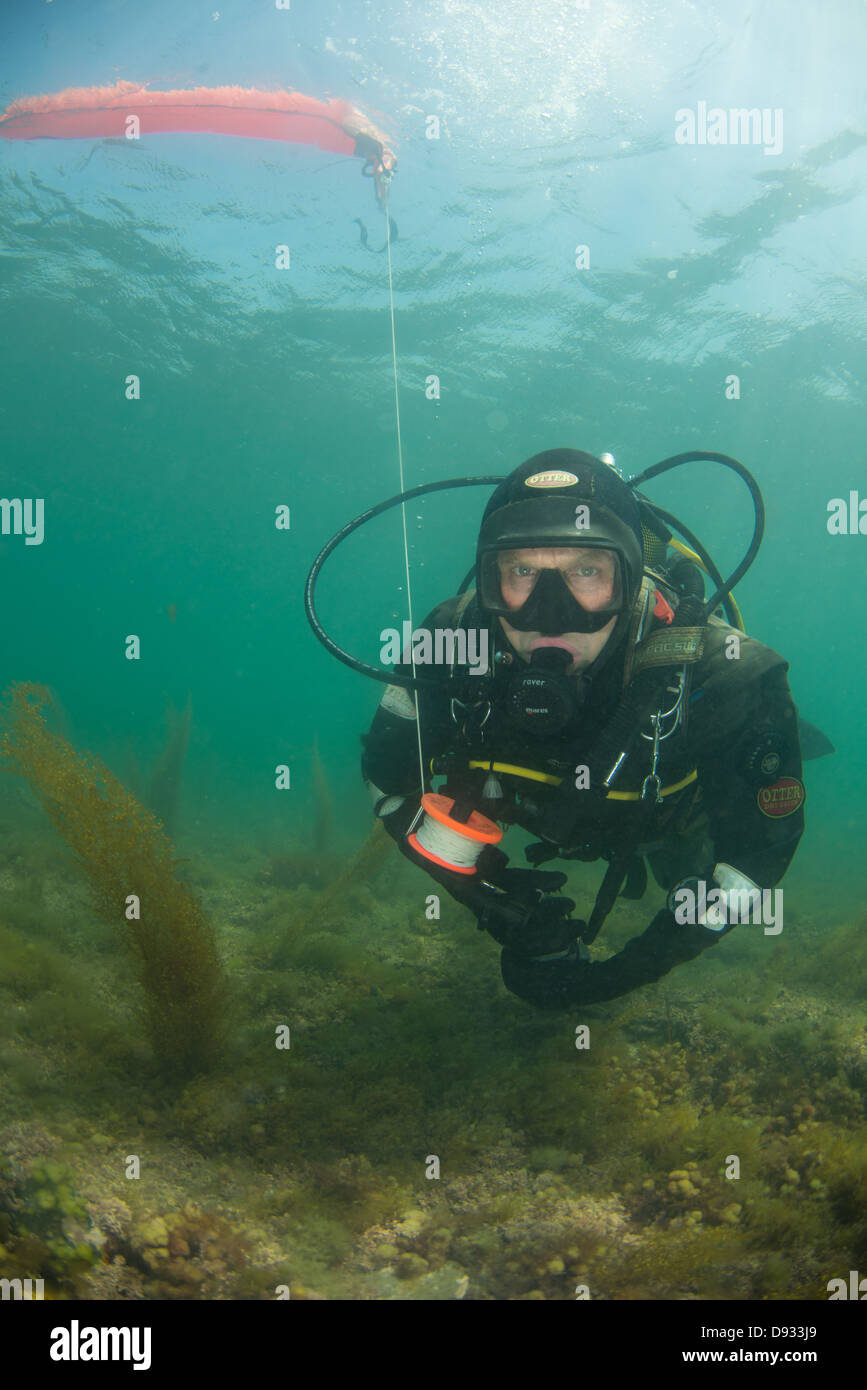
[[673, 714], [653, 775], [456, 718], [657, 788]]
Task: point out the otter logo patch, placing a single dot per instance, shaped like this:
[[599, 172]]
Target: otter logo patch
[[554, 477], [782, 799]]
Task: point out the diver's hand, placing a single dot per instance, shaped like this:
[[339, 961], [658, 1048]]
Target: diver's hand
[[529, 883], [541, 851], [521, 917], [472, 890], [511, 904], [571, 980]]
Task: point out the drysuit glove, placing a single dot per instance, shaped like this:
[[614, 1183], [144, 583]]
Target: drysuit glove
[[530, 927], [646, 958], [472, 890], [564, 983], [510, 904]]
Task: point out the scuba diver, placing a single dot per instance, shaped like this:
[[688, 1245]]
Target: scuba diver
[[619, 718]]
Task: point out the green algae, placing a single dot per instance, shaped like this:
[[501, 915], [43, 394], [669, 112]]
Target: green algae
[[559, 1167], [26, 968], [125, 855], [42, 1226]]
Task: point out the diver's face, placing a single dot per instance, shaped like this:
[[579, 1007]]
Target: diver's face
[[589, 575]]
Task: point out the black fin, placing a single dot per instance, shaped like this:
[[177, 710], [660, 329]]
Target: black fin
[[814, 744]]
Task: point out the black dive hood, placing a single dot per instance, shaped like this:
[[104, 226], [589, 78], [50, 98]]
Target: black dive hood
[[568, 500], [618, 518]]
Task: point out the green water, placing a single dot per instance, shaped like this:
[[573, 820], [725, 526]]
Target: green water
[[310, 1165]]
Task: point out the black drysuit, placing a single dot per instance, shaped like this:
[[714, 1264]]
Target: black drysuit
[[730, 777]]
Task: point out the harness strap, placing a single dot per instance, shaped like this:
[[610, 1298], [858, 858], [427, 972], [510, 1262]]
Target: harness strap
[[615, 876]]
